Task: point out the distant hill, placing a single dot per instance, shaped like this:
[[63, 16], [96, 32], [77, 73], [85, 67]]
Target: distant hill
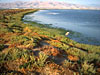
[[43, 5]]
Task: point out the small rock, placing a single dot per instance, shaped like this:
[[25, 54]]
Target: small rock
[[66, 33]]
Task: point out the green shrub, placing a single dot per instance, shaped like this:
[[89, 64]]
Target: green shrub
[[42, 59], [87, 69], [13, 53], [2, 47]]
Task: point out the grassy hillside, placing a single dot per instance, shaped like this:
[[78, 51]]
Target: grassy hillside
[[32, 48]]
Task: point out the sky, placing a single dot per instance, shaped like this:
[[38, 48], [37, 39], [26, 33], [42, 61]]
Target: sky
[[81, 2]]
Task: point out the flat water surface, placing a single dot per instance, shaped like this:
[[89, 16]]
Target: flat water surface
[[83, 22]]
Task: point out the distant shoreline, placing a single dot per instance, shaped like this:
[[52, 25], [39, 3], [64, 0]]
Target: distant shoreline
[[69, 9], [48, 9]]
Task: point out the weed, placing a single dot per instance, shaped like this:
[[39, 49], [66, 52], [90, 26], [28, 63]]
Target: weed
[[87, 68]]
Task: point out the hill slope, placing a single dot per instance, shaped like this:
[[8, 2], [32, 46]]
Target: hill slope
[[34, 48], [44, 5]]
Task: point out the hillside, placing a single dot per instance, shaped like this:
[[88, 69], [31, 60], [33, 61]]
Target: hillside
[[43, 5], [37, 49]]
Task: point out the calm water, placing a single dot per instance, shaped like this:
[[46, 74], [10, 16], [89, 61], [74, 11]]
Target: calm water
[[86, 22]]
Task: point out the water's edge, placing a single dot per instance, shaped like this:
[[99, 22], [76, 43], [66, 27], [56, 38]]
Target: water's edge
[[76, 36]]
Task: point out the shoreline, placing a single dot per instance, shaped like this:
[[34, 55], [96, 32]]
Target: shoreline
[[73, 34], [70, 9]]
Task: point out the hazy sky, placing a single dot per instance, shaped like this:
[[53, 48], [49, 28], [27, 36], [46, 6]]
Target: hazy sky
[[83, 2]]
